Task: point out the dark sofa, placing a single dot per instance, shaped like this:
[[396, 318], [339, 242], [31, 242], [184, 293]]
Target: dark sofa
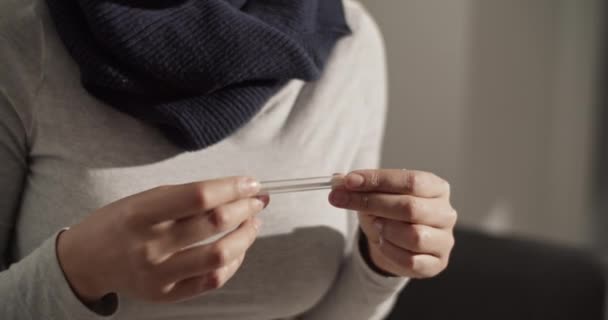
[[499, 278]]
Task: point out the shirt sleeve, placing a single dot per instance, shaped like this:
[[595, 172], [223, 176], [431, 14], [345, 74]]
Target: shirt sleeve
[[359, 292], [33, 287]]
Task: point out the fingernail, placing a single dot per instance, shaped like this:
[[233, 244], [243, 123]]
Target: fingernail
[[354, 180], [337, 181], [249, 186], [380, 241], [265, 199], [339, 198], [379, 225]]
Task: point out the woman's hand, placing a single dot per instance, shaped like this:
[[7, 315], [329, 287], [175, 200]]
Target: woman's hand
[[141, 246], [406, 216]]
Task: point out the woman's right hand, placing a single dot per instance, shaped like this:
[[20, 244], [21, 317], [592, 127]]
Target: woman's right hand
[[141, 246]]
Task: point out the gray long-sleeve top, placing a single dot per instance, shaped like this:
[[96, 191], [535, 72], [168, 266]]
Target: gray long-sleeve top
[[64, 154]]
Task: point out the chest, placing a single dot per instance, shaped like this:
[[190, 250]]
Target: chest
[[88, 155]]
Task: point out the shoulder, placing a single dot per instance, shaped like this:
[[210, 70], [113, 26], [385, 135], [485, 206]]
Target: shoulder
[[21, 33], [365, 46], [356, 71], [365, 30], [21, 53], [359, 59]]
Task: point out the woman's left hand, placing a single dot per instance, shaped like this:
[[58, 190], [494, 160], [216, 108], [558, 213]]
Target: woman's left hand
[[406, 216]]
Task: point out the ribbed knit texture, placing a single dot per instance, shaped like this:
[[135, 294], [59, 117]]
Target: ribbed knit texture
[[196, 69]]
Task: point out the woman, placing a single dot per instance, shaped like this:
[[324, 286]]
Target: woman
[[132, 130]]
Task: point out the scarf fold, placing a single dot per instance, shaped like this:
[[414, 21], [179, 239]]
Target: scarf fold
[[196, 69]]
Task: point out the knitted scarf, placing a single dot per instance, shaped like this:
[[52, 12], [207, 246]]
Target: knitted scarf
[[196, 69]]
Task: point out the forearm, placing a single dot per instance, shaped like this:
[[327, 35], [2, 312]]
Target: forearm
[[35, 288]]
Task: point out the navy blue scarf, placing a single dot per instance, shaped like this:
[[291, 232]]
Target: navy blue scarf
[[196, 69]]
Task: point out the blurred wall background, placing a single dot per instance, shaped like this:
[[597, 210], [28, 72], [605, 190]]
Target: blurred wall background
[[499, 97]]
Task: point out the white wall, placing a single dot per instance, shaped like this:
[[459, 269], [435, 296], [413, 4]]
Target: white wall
[[496, 96]]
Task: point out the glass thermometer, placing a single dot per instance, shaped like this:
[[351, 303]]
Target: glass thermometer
[[300, 185]]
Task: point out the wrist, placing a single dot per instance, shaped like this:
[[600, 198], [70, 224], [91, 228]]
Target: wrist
[[77, 269]]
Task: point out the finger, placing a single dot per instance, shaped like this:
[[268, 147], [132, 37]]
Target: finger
[[219, 277], [183, 290], [411, 264], [199, 260], [180, 201], [191, 230], [415, 237], [198, 285], [416, 183], [366, 222], [435, 212]]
